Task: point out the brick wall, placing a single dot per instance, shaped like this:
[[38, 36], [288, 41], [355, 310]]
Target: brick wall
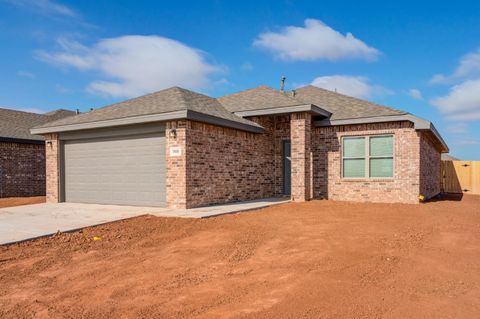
[[225, 165], [301, 124], [176, 165], [22, 170], [280, 126], [221, 165], [430, 161], [327, 180], [52, 156]]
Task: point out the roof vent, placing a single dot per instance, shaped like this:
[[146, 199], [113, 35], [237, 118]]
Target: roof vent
[[282, 84]]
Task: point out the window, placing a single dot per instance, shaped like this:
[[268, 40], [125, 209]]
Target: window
[[368, 156]]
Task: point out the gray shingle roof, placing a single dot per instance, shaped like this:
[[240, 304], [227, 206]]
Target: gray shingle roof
[[262, 97], [164, 101], [342, 106], [17, 124], [59, 114]]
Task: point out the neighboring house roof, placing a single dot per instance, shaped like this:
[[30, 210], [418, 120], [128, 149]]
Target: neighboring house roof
[[168, 104], [16, 125], [342, 106], [448, 157]]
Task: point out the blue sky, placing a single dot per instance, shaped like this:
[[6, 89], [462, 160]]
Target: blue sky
[[422, 57]]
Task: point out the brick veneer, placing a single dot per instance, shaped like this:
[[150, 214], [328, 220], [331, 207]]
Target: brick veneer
[[176, 165], [219, 165], [279, 129], [22, 169], [52, 154], [404, 187], [430, 171], [301, 124]]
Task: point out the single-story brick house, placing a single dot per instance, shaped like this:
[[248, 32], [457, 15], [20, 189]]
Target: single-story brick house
[[22, 154], [182, 149]]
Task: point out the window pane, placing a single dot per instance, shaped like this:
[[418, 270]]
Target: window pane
[[354, 147], [381, 167], [381, 146], [353, 168]]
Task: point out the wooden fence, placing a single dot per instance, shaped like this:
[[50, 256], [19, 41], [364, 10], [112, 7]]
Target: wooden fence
[[461, 177]]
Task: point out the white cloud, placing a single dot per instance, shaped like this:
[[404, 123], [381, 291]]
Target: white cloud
[[459, 128], [314, 41], [468, 67], [462, 102], [247, 66], [468, 142], [416, 94], [45, 6], [134, 65], [356, 86], [26, 74], [62, 89]]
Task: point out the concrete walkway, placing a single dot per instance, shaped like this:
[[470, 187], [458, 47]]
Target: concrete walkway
[[30, 221]]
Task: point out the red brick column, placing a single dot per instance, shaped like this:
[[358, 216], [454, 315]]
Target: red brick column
[[176, 143], [300, 135], [52, 157]]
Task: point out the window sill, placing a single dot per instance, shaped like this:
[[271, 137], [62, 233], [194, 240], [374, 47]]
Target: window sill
[[361, 180]]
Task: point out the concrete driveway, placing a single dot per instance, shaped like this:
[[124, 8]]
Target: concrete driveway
[[31, 221]]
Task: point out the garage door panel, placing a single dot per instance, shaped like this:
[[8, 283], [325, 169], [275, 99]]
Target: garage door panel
[[121, 170]]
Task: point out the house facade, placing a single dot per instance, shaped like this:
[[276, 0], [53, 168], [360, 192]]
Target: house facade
[[181, 149], [22, 155]]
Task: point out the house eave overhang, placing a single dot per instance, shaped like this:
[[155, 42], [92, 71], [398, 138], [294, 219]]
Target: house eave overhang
[[21, 140], [313, 109], [419, 124], [162, 117]]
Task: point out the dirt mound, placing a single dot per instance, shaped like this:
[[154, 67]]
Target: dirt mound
[[18, 201], [319, 259]]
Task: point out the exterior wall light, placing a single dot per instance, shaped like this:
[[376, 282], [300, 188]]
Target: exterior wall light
[[173, 133]]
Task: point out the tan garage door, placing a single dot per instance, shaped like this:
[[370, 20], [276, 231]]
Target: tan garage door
[[127, 170]]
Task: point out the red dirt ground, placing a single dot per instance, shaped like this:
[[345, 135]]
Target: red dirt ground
[[18, 201], [320, 259]]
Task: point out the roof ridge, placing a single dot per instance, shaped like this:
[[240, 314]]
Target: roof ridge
[[133, 98], [19, 111], [263, 86], [351, 97], [181, 93]]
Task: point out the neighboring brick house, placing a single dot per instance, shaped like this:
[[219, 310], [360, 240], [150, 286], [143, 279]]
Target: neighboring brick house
[[22, 155], [182, 149]]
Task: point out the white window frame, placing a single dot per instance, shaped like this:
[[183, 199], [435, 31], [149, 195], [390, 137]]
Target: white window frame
[[367, 157]]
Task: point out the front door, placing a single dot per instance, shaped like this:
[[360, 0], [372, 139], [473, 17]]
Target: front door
[[287, 168]]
